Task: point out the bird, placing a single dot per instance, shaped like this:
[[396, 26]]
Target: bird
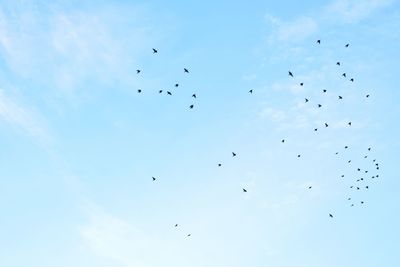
[[362, 202], [191, 106], [194, 96], [244, 190], [349, 123], [344, 74], [185, 70], [358, 188], [366, 187], [138, 71], [251, 91], [169, 93], [315, 129], [330, 215], [306, 100], [177, 84], [342, 175], [318, 41], [347, 45], [176, 225], [326, 125], [369, 149], [346, 147], [338, 63], [340, 97], [309, 187], [352, 205], [349, 161], [219, 164], [189, 235], [298, 155], [233, 154], [160, 91], [154, 178], [319, 105], [290, 73], [358, 169], [365, 157], [352, 80], [324, 91], [367, 96], [155, 51], [283, 140], [301, 84], [349, 198], [139, 91]]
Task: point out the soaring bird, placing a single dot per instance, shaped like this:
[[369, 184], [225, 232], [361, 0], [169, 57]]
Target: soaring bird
[[283, 140], [349, 123], [352, 80], [154, 51], [326, 125], [177, 84], [191, 106], [290, 73], [369, 149], [244, 190], [340, 97], [233, 154], [344, 74], [318, 41], [154, 178], [298, 155], [176, 225], [160, 91], [185, 70], [301, 84], [189, 235], [367, 96], [338, 63], [306, 100], [138, 71], [319, 105], [330, 215], [169, 93], [347, 45], [251, 91], [219, 164], [324, 91], [139, 91], [194, 96], [309, 187], [342, 175], [315, 129]]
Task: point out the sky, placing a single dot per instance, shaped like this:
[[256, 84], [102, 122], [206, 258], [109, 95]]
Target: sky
[[79, 145]]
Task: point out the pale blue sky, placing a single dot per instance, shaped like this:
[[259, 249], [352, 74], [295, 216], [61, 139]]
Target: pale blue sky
[[79, 145]]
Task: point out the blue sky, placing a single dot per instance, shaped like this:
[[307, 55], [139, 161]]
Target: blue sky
[[79, 145]]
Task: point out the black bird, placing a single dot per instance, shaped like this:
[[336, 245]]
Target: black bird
[[345, 147], [154, 178], [351, 186], [154, 51], [352, 205], [358, 169], [330, 215], [298, 155], [340, 97], [349, 123], [347, 45], [244, 190], [301, 84], [342, 175], [365, 157], [283, 140], [349, 161], [194, 96], [233, 154], [336, 153], [316, 129], [318, 41], [362, 179], [367, 187], [324, 91], [219, 164], [176, 85], [367, 96], [352, 80], [191, 106], [139, 91], [362, 202], [338, 63], [306, 100], [290, 73], [185, 70], [309, 187], [349, 198], [160, 91], [344, 74], [369, 149], [251, 91], [326, 125], [366, 171], [169, 93], [138, 71], [358, 188], [176, 225], [319, 105], [189, 235]]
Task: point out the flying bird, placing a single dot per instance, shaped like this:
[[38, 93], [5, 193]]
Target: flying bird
[[338, 63], [154, 178], [176, 225], [340, 97], [352, 80], [306, 100], [138, 71], [219, 164], [194, 96], [344, 74], [160, 91], [326, 125], [169, 93], [309, 187], [251, 91], [319, 105], [290, 73], [324, 91], [330, 215], [367, 96], [347, 45], [244, 190], [301, 84], [191, 106], [154, 51], [349, 123], [177, 84], [139, 91], [283, 140], [185, 70], [298, 155], [316, 129], [318, 41], [233, 154]]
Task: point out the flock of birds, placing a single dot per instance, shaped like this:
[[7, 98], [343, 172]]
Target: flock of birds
[[360, 183]]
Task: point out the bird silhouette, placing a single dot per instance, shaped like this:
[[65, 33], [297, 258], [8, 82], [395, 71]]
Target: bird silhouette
[[352, 80], [251, 91], [342, 175], [139, 91], [309, 187], [185, 70], [338, 63], [330, 215], [154, 51], [349, 161], [340, 97], [319, 105], [305, 100], [169, 93], [219, 164], [324, 91], [244, 190], [349, 123], [154, 178], [191, 106], [315, 129], [369, 149], [318, 41], [290, 73], [189, 235], [301, 84], [298, 155], [326, 125], [283, 141], [160, 91], [347, 45], [194, 96], [138, 71], [344, 74], [362, 202], [176, 225], [367, 96], [233, 154], [177, 84]]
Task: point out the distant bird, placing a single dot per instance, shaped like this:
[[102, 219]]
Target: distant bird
[[318, 41], [352, 80], [219, 164], [244, 190], [367, 187], [309, 187], [139, 91], [306, 100], [326, 125], [189, 235], [351, 186], [138, 71], [233, 154], [154, 178], [340, 97], [358, 169], [185, 70], [349, 123], [319, 105], [169, 93], [176, 225], [194, 96], [324, 91], [358, 188], [160, 91], [362, 202], [338, 63], [154, 51], [369, 149], [177, 84], [336, 153], [346, 147], [352, 205], [344, 74], [283, 140], [367, 96], [301, 84], [330, 215], [298, 155], [315, 129], [349, 198], [191, 106], [347, 45], [290, 73], [251, 91], [365, 157], [342, 175], [349, 161]]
